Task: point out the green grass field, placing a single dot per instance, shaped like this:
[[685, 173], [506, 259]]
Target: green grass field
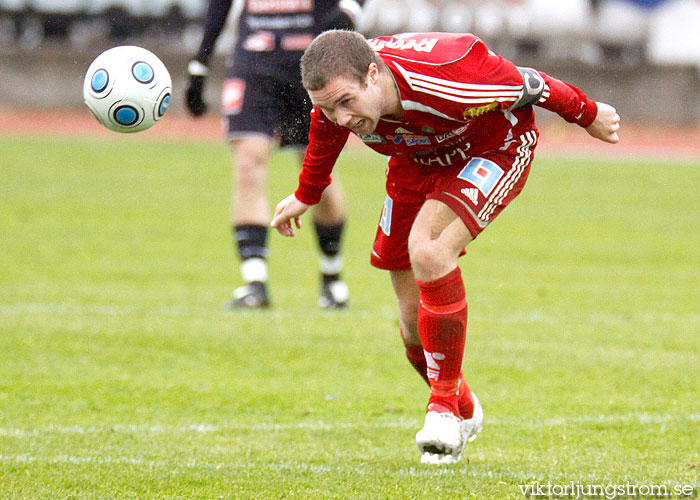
[[122, 377]]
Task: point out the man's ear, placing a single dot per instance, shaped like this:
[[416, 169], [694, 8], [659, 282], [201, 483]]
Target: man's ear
[[372, 73]]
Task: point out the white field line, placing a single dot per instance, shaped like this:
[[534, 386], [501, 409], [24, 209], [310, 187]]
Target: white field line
[[530, 317], [462, 470], [201, 428], [29, 308]]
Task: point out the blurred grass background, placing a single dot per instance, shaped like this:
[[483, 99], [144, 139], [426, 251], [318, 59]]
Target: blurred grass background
[[122, 377]]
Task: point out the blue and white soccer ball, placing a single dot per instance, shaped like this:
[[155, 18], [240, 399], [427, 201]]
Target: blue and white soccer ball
[[127, 89]]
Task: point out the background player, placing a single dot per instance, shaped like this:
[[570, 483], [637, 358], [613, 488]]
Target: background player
[[458, 124], [265, 106]]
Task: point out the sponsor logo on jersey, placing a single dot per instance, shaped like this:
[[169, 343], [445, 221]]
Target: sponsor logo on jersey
[[449, 135], [402, 130], [417, 140], [479, 110], [411, 139], [279, 23], [276, 6], [371, 138], [417, 44], [459, 153], [263, 41], [482, 173], [427, 129], [232, 93], [296, 42], [472, 194]]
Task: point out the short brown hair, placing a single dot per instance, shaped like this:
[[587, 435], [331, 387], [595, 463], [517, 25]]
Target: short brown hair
[[336, 53]]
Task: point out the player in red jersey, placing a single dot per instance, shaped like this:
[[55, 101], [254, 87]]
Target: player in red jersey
[[457, 122]]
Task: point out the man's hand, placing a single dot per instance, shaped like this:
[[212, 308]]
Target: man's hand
[[193, 95], [287, 210], [606, 124]]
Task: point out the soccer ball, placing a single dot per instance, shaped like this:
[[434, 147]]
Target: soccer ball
[[127, 89]]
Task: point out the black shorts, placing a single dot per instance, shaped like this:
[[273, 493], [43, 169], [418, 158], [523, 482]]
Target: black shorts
[[271, 102]]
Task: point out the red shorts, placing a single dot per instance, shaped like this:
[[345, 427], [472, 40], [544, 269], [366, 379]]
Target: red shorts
[[477, 191]]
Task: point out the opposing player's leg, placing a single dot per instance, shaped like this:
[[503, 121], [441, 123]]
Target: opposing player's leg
[[249, 215], [329, 214], [250, 105], [329, 223], [437, 238]]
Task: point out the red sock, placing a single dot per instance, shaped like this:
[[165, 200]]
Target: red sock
[[465, 401], [416, 357], [442, 326]]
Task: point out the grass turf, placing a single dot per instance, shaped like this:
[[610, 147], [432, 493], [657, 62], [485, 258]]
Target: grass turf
[[122, 377]]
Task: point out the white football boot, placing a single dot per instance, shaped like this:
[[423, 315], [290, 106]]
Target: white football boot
[[251, 296], [440, 438], [470, 427], [334, 295], [444, 435]]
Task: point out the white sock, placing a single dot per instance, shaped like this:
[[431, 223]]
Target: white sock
[[330, 265], [254, 269]]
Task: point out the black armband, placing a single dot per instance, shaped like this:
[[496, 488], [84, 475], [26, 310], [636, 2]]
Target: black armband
[[533, 88]]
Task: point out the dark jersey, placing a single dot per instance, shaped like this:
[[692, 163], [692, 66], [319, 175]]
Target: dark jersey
[[274, 31]]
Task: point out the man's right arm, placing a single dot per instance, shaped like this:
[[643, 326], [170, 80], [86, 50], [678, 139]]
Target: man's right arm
[[288, 210], [326, 141]]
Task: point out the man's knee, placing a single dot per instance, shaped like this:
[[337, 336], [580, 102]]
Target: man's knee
[[250, 162], [249, 171], [426, 257]]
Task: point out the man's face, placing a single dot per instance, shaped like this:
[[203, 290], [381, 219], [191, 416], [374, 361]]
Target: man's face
[[347, 103]]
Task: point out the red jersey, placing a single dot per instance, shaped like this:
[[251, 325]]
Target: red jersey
[[456, 95]]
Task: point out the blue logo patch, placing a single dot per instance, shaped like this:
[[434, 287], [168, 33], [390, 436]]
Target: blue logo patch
[[99, 80], [143, 72], [126, 115], [164, 105], [482, 173], [385, 221]]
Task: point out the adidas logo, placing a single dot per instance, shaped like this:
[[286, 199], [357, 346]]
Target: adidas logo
[[472, 194]]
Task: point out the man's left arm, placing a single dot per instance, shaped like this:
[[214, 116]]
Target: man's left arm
[[513, 87], [599, 119], [606, 124]]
